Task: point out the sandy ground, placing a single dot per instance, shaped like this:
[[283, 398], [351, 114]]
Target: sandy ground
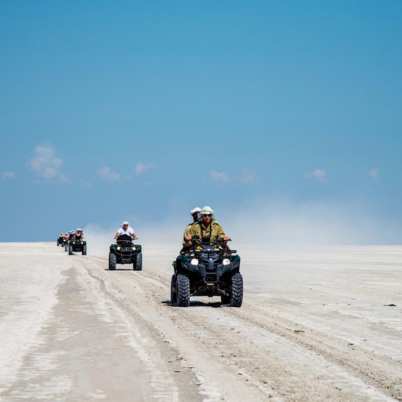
[[315, 325]]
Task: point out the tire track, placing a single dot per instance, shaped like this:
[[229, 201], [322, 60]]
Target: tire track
[[379, 371], [215, 381], [260, 354], [167, 379]]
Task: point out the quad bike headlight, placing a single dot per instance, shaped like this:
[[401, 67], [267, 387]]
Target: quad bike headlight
[[118, 247], [226, 261], [194, 261]]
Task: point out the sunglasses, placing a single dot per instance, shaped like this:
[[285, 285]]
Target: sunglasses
[[209, 215]]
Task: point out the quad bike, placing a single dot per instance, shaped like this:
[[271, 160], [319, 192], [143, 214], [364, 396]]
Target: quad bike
[[67, 239], [60, 241], [207, 270], [77, 245], [124, 251]]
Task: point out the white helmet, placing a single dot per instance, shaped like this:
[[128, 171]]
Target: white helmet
[[124, 223], [196, 210], [207, 211], [78, 230]]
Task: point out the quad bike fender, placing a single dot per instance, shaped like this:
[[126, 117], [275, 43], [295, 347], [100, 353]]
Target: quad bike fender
[[183, 265], [231, 268]]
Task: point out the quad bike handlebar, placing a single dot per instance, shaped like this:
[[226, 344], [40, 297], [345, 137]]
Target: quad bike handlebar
[[125, 239], [220, 244]]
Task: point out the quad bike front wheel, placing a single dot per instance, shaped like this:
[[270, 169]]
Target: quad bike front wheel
[[173, 291], [183, 290], [70, 250], [236, 293], [84, 249], [138, 262], [112, 262]]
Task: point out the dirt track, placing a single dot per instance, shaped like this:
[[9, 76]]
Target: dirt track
[[314, 326]]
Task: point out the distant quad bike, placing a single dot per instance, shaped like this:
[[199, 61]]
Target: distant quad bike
[[207, 270], [67, 239], [124, 251], [77, 245], [60, 241]]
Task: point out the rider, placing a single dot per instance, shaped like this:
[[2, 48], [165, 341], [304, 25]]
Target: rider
[[126, 229], [60, 239], [196, 214], [207, 229], [79, 234]]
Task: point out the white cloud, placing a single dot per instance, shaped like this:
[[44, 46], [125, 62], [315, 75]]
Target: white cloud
[[7, 175], [108, 174], [46, 164], [219, 176], [247, 177], [374, 173], [319, 175], [141, 168]]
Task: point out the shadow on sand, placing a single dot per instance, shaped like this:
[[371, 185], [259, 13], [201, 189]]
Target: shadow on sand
[[120, 269], [196, 303]]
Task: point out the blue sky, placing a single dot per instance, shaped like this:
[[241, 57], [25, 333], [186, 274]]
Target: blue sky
[[143, 109]]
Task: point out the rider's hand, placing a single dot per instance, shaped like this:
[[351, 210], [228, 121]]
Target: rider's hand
[[226, 238], [188, 238]]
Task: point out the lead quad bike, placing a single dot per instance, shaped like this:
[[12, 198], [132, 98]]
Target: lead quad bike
[[77, 245], [124, 251], [207, 270]]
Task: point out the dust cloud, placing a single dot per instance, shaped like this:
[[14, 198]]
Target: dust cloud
[[266, 224]]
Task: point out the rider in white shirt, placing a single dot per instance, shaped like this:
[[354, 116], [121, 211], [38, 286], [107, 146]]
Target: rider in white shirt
[[125, 229]]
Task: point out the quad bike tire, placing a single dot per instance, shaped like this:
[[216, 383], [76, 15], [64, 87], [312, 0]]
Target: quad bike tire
[[173, 291], [65, 248], [112, 262], [236, 294], [84, 250], [138, 262], [183, 290], [70, 250]]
